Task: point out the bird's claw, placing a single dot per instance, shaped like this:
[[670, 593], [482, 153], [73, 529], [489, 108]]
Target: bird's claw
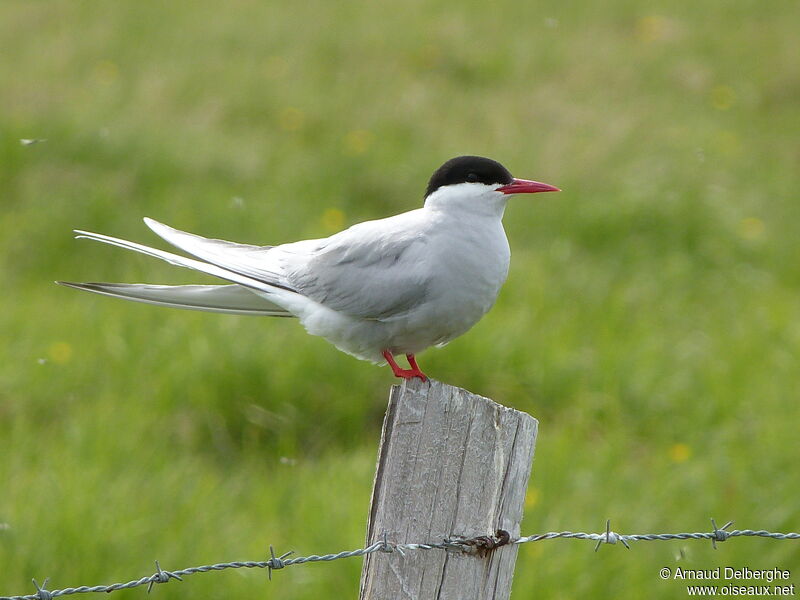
[[410, 374]]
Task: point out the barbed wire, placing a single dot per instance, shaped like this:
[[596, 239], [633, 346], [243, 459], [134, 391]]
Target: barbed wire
[[477, 545]]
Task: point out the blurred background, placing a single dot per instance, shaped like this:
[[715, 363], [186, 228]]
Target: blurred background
[[651, 319]]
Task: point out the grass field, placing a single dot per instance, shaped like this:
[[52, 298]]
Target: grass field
[[651, 320]]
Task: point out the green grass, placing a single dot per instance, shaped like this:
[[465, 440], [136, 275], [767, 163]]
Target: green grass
[[651, 320]]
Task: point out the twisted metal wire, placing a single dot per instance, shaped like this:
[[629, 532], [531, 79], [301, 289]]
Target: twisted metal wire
[[719, 534]]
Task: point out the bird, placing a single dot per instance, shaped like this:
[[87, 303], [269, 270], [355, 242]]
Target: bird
[[375, 290]]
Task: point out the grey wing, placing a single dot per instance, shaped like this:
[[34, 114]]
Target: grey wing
[[365, 272]]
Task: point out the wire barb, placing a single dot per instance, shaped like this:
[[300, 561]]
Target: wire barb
[[610, 537], [719, 533], [41, 592], [161, 577], [276, 562]]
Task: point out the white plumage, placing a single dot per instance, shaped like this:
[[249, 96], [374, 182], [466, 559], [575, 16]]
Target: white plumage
[[392, 286]]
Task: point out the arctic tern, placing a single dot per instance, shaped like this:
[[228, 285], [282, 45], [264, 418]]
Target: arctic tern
[[375, 290]]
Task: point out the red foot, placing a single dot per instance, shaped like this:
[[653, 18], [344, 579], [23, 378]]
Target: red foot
[[414, 371]]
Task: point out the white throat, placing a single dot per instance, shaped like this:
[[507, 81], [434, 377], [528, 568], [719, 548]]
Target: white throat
[[468, 198]]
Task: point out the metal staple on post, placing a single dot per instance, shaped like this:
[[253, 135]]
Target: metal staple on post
[[719, 534]]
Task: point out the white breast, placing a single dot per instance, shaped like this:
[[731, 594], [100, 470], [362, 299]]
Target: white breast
[[471, 258]]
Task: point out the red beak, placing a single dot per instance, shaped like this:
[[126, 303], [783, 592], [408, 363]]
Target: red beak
[[524, 186]]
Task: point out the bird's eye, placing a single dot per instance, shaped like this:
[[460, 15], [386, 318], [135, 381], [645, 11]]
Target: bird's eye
[[472, 177]]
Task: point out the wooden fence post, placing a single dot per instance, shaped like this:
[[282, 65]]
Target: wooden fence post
[[450, 464]]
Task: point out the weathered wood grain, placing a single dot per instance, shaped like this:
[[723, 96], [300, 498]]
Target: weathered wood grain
[[451, 463]]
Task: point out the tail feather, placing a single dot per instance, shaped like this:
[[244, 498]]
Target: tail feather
[[230, 299], [180, 261]]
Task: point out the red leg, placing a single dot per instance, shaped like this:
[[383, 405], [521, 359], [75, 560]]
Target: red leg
[[404, 373], [398, 372], [415, 370]]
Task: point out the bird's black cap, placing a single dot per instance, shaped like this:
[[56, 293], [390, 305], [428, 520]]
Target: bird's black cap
[[469, 169]]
